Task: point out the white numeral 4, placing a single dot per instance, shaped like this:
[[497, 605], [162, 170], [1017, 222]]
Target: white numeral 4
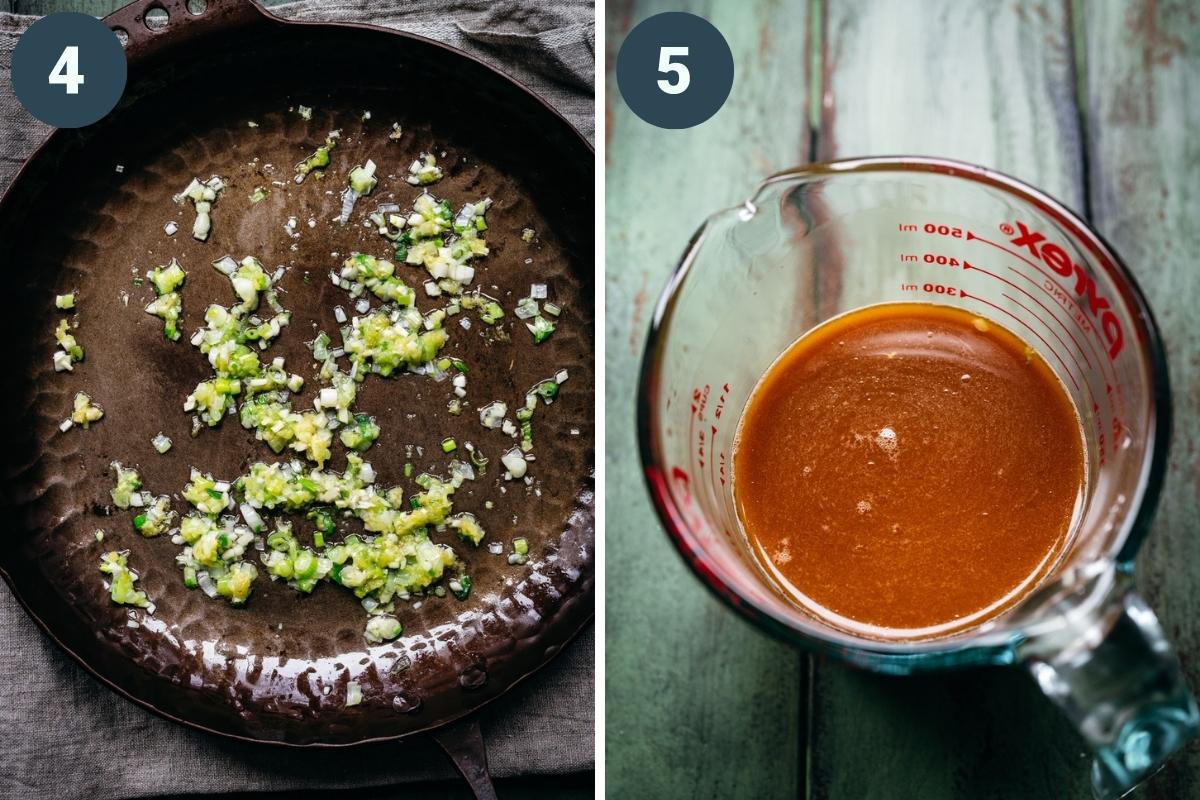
[[682, 77], [66, 71]]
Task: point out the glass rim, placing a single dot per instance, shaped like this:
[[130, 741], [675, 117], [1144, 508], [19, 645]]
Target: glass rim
[[995, 645]]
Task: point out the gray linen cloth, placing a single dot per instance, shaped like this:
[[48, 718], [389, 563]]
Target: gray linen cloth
[[69, 737]]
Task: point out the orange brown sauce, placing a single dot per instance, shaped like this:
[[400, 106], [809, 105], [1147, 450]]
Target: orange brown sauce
[[907, 470]]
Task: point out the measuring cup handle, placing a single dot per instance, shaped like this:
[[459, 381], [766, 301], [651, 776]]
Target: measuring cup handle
[[1099, 653]]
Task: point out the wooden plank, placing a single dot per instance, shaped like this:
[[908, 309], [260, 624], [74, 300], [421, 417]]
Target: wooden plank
[[1143, 125], [699, 704], [992, 84]]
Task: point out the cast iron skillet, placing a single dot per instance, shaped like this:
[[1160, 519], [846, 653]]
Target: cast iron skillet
[[87, 212]]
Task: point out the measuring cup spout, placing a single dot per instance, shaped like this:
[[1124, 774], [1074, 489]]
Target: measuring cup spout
[[1099, 653]]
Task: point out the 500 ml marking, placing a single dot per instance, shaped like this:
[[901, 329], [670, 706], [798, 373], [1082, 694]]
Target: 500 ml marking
[[932, 228]]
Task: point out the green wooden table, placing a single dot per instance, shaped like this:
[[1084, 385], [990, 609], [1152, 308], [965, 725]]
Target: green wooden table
[[1096, 102]]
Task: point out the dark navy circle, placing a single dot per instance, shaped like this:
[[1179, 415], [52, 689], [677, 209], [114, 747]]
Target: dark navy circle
[[68, 70], [675, 70]]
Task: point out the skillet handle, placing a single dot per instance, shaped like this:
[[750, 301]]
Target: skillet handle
[[208, 17], [463, 742]]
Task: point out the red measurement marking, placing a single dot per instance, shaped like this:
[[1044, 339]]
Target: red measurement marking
[[697, 396], [1084, 325], [700, 449], [1011, 252], [722, 457], [967, 265], [1047, 275], [712, 475], [721, 401], [1082, 374], [964, 295], [1053, 316], [681, 478]]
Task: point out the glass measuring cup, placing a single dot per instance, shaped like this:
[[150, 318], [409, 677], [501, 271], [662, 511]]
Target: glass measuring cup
[[818, 241]]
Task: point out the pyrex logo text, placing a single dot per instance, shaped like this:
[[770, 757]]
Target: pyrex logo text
[[1057, 259]]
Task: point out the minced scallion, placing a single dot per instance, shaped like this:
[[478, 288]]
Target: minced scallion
[[396, 132], [156, 517], [62, 362], [318, 161], [362, 178], [258, 195], [467, 526], [443, 243], [299, 566], [461, 586], [541, 328], [492, 415], [361, 434], [477, 456], [379, 277], [362, 181], [382, 628], [213, 556], [552, 309], [85, 412], [528, 235], [374, 342], [526, 308], [394, 558], [323, 519], [65, 301], [209, 496], [305, 112], [167, 278], [353, 693], [168, 305], [491, 313], [424, 171], [515, 463], [127, 482], [71, 351], [202, 195], [122, 579]]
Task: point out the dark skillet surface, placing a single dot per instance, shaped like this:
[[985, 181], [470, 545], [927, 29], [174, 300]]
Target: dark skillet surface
[[73, 222]]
